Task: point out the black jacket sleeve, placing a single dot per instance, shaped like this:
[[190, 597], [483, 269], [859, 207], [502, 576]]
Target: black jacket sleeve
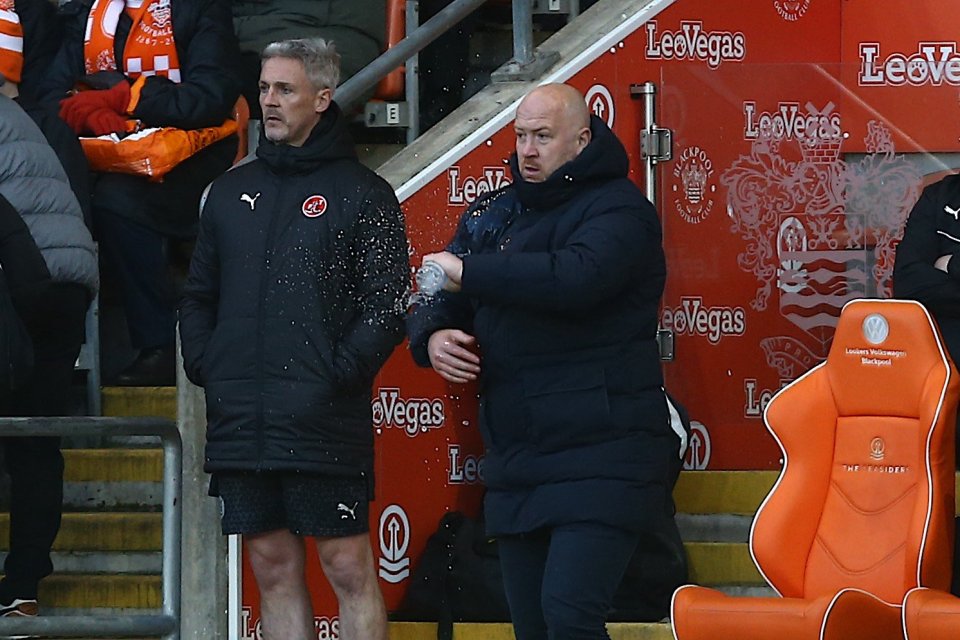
[[384, 272], [201, 295], [610, 246], [929, 234], [208, 53], [23, 266], [41, 35], [445, 310]]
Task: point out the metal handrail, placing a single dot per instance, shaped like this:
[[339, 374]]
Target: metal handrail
[[165, 624]]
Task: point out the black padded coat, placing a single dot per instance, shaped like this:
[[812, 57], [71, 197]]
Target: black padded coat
[[294, 300], [561, 286]]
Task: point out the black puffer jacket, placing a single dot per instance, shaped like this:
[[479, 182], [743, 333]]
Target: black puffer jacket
[[561, 287], [294, 301], [208, 53], [933, 230]]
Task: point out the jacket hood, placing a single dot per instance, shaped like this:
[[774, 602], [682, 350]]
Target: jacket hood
[[602, 160], [328, 141]]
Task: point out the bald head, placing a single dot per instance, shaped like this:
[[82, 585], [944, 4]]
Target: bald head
[[552, 127]]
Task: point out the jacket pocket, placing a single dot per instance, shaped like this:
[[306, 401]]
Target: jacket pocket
[[567, 406]]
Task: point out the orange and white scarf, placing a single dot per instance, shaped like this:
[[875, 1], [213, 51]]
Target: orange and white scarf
[[11, 42], [150, 48]]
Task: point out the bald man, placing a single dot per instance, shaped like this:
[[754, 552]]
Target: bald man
[[553, 285]]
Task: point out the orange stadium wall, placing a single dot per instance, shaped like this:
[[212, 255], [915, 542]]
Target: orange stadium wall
[[794, 125]]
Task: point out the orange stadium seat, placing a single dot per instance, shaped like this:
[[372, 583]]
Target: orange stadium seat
[[863, 509], [931, 614], [241, 113], [391, 87]]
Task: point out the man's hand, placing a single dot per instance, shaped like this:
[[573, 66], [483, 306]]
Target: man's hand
[[449, 356], [451, 265], [942, 262], [77, 109]]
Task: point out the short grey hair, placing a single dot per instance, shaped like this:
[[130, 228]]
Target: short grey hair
[[319, 58]]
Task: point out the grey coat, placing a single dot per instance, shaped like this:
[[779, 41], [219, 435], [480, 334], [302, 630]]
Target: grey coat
[[33, 180]]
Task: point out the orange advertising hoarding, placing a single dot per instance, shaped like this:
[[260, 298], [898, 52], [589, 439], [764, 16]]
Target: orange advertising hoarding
[[790, 181]]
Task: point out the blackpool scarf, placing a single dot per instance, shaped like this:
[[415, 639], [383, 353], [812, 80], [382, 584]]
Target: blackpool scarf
[[150, 48], [11, 42]]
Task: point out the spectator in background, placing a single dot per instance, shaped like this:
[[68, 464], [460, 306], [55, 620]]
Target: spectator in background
[[164, 63], [294, 300], [33, 181], [356, 27], [34, 24], [552, 290], [924, 270], [41, 37]]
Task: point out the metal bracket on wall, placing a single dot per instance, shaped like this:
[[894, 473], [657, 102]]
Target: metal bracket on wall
[[656, 143]]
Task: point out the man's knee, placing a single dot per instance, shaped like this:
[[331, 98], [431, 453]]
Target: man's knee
[[347, 563], [277, 558]]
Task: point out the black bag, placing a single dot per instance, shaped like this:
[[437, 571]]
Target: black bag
[[458, 578]]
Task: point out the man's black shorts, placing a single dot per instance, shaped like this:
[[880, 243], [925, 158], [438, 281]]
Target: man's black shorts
[[307, 504]]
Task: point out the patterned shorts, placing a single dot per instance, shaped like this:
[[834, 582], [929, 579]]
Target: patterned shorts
[[307, 504]]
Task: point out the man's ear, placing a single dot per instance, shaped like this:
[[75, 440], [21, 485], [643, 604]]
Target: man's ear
[[583, 139], [323, 100]]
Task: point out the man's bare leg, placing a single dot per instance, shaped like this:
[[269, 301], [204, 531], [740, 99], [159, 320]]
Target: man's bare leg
[[348, 565], [277, 559]]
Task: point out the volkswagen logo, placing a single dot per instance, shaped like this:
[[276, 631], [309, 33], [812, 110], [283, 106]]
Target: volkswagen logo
[[875, 328]]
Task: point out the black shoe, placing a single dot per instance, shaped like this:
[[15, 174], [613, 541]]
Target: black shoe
[[154, 367]]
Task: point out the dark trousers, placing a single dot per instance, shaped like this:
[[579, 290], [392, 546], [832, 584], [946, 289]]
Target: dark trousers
[[35, 464], [560, 582], [136, 255]]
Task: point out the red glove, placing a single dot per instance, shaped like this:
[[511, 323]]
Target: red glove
[[103, 121], [76, 109]]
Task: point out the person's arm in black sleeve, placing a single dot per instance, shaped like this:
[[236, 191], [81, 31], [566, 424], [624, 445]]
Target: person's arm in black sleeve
[[42, 33], [607, 249], [67, 66], [210, 84], [201, 297], [444, 310], [914, 275], [23, 265], [384, 270]]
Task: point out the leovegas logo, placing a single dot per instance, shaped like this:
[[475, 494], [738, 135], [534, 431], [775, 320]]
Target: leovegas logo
[[691, 42], [694, 318], [933, 63], [788, 121], [466, 189]]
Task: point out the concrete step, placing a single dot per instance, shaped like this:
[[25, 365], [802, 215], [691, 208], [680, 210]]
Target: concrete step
[[140, 401], [98, 479], [121, 531], [61, 593], [503, 631], [120, 562]]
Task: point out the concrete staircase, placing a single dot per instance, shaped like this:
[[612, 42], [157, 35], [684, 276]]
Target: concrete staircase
[[107, 557]]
